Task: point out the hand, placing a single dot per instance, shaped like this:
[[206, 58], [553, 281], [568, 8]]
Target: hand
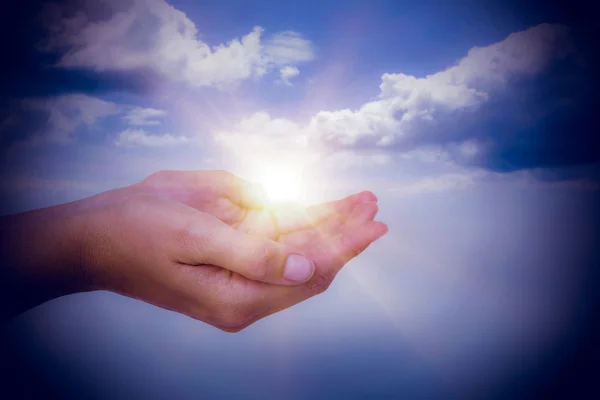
[[134, 264], [331, 234], [171, 255]]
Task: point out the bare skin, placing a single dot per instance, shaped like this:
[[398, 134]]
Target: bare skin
[[200, 243]]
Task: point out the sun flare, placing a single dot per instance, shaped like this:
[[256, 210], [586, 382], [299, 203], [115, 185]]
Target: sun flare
[[290, 178], [282, 184]]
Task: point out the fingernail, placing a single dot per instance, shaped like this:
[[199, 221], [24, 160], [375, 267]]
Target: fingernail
[[298, 268]]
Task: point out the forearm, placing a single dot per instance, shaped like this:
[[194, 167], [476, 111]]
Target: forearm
[[42, 257]]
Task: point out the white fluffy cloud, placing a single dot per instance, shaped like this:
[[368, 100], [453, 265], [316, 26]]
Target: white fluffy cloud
[[151, 34], [288, 73], [261, 133], [144, 116], [139, 137], [411, 113], [409, 106]]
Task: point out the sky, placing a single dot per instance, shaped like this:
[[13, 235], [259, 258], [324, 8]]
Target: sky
[[473, 122]]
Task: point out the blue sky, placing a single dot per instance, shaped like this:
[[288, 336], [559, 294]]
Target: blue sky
[[470, 121]]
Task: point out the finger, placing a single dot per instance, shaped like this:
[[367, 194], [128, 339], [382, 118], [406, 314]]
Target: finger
[[332, 254], [290, 217], [359, 213], [275, 298], [251, 195], [351, 242], [362, 214], [329, 259], [320, 212], [210, 241], [244, 193], [293, 217], [259, 223], [326, 216]]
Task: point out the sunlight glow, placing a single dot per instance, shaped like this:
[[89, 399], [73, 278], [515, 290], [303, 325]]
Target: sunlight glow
[[281, 184], [286, 176]]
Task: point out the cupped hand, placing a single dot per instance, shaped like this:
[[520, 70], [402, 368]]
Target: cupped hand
[[330, 234], [200, 243], [203, 243], [169, 254]]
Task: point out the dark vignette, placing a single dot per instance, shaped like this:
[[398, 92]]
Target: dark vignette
[[571, 370]]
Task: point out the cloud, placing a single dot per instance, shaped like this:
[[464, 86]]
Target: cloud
[[139, 137], [260, 141], [144, 116], [435, 184], [262, 133], [415, 111], [517, 104], [134, 35], [288, 73], [54, 119], [59, 119], [465, 178], [288, 48]]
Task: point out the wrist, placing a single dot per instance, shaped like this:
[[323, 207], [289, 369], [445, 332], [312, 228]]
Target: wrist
[[74, 266], [42, 258], [92, 228]]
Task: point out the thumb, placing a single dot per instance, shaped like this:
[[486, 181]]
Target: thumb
[[261, 259]]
